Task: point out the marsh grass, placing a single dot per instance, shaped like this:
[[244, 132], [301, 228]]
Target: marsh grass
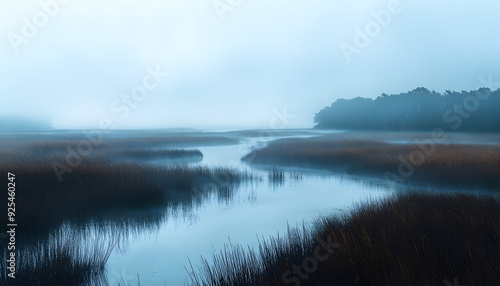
[[43, 202], [102, 183], [411, 239], [112, 190], [276, 176], [63, 258], [460, 165]]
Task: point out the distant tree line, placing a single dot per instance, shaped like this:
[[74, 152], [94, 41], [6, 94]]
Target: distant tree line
[[416, 110]]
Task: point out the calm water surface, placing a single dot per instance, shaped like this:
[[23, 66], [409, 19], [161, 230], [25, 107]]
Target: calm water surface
[[260, 208]]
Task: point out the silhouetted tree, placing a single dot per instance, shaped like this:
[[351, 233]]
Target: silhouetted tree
[[418, 110]]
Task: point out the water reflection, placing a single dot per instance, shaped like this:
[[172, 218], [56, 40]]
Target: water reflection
[[257, 208], [155, 242], [76, 252]]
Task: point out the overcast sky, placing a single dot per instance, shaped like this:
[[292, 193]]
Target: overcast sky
[[232, 63]]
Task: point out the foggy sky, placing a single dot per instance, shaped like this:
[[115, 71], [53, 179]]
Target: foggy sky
[[245, 70]]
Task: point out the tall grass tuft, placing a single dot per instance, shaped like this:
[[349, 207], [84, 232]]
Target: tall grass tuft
[[411, 239], [63, 258], [276, 176]]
